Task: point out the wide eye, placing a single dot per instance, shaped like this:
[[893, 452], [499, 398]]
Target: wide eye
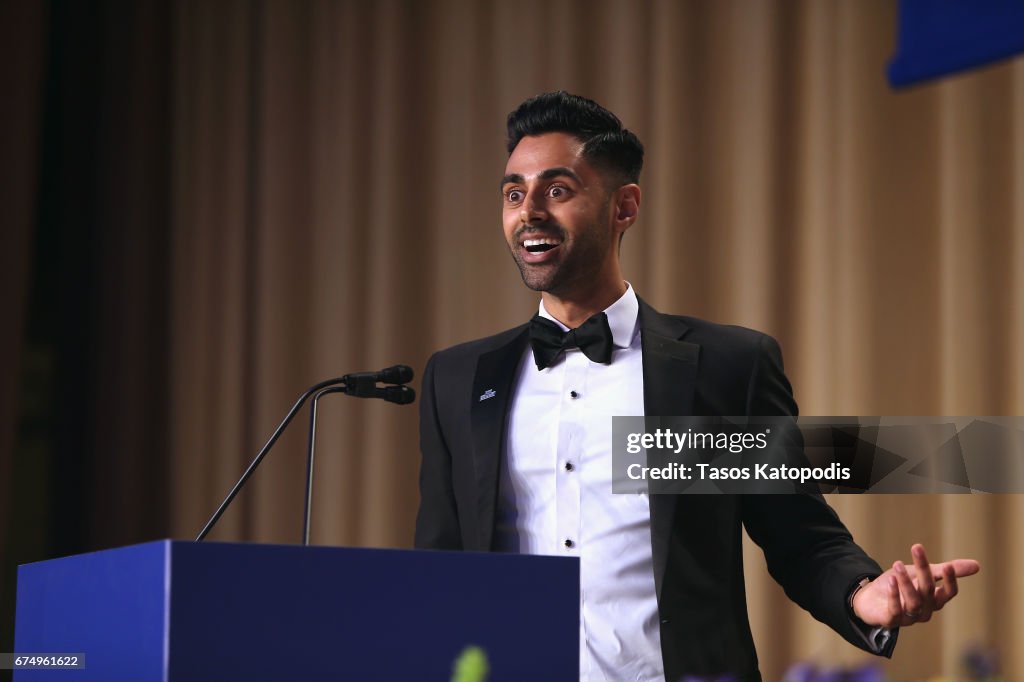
[[557, 192], [514, 196]]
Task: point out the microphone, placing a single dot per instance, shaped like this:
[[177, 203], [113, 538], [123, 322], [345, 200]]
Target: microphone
[[364, 384], [396, 374], [360, 385], [400, 395]]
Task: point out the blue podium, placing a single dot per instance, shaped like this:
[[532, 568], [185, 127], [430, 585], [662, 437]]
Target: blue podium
[[173, 611]]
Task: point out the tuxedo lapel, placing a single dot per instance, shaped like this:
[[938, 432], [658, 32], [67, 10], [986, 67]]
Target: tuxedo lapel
[[670, 365], [669, 371], [670, 375], [493, 384]]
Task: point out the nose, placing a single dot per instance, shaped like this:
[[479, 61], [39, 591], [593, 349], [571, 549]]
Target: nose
[[532, 210]]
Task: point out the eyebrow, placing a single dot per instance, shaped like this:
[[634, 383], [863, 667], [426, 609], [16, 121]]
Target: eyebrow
[[548, 174]]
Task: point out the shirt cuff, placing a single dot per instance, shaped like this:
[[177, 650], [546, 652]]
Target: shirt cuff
[[879, 638]]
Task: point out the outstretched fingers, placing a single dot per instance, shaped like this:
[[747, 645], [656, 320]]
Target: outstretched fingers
[[948, 589], [913, 608], [911, 593], [925, 584]]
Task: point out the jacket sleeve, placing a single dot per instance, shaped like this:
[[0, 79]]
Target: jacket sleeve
[[807, 548]]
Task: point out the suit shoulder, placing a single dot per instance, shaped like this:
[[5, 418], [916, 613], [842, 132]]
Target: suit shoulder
[[702, 332], [728, 334], [470, 350], [719, 340], [740, 364]]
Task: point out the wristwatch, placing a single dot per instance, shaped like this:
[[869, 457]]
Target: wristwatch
[[853, 593]]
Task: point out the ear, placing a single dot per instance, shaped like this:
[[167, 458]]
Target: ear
[[627, 206]]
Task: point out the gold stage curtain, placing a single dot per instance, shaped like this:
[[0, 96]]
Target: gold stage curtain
[[336, 208]]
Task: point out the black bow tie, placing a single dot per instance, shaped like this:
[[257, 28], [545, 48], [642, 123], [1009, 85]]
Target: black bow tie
[[593, 337]]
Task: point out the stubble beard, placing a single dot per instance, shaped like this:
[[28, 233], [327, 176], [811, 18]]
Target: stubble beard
[[578, 263]]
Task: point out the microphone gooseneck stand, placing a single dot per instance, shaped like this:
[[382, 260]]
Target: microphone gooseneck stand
[[361, 385], [309, 457]]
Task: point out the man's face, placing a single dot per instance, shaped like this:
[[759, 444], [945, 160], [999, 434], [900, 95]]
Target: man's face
[[557, 217]]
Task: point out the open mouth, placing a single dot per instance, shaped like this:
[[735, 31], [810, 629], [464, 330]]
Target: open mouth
[[541, 245]]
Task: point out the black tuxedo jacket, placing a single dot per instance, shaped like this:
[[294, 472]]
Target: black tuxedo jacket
[[690, 367]]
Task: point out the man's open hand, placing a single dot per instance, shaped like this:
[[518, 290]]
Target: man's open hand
[[909, 593]]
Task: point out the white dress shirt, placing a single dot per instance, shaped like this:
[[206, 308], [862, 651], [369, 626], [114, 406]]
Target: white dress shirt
[[555, 496]]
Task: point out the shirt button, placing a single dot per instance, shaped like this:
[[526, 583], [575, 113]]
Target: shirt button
[[574, 395], [569, 543], [569, 466]]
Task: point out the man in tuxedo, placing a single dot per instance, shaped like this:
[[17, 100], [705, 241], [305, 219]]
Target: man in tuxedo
[[516, 436]]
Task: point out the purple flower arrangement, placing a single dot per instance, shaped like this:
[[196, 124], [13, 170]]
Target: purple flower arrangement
[[805, 672], [979, 664]]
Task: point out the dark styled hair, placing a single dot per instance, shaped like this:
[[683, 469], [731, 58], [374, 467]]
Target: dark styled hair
[[605, 142]]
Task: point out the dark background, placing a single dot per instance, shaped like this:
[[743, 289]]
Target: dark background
[[86, 85]]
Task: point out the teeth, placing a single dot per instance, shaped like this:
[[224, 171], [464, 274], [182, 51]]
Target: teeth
[[540, 242]]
